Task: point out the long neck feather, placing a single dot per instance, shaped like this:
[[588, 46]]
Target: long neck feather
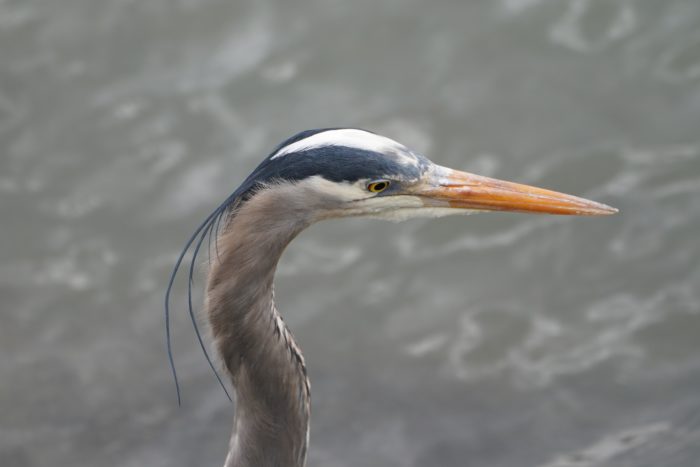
[[264, 362]]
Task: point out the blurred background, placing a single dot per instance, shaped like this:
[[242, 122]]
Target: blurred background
[[493, 340]]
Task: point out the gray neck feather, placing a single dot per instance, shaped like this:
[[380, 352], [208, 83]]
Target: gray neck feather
[[264, 362]]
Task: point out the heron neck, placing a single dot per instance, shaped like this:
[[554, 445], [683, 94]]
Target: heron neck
[[263, 360]]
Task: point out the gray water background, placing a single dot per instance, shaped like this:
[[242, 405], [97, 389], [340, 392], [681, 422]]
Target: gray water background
[[493, 340]]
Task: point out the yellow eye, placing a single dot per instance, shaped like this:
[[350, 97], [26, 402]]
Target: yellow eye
[[378, 186]]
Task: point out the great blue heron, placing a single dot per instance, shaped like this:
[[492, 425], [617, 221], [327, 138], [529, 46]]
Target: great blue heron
[[314, 175]]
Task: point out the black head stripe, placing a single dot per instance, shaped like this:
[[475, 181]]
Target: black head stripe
[[337, 164]]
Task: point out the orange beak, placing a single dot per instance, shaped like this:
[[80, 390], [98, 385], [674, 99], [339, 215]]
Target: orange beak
[[455, 189]]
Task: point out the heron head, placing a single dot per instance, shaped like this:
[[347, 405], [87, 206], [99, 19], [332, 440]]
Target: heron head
[[343, 172]]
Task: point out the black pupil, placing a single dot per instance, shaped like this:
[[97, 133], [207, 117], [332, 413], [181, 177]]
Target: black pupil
[[379, 186]]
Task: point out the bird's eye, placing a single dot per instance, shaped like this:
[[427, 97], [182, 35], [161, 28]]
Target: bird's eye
[[378, 186]]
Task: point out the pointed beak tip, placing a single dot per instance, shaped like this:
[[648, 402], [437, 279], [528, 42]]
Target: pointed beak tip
[[602, 210]]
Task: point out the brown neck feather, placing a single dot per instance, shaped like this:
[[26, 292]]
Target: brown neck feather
[[263, 360]]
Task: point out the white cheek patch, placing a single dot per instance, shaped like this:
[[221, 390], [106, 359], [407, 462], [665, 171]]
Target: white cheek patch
[[341, 191], [347, 137]]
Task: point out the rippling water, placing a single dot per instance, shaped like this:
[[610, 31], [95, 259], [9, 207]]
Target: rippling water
[[494, 340]]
